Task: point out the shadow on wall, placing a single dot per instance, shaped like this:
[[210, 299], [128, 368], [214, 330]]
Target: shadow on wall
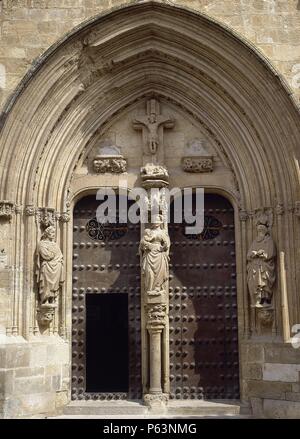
[[298, 5]]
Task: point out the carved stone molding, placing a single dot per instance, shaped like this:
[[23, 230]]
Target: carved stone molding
[[7, 209], [297, 209], [64, 217], [197, 164], [18, 209], [279, 209], [30, 210], [156, 401], [112, 164], [156, 316], [154, 176], [46, 216], [3, 258]]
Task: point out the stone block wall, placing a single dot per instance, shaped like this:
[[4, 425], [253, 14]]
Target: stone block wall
[[29, 27], [34, 377], [271, 377]]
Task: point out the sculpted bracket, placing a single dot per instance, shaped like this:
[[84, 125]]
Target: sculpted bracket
[[113, 164], [197, 164]]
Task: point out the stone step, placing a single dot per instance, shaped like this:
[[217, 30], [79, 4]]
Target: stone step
[[204, 408], [136, 410], [102, 408]]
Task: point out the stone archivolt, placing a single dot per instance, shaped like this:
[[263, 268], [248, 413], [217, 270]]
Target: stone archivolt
[[182, 57], [185, 42]]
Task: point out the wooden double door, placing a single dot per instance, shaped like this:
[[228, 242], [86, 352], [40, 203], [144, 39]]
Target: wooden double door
[[106, 312]]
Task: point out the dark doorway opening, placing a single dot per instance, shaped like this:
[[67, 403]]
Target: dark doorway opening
[[107, 342]]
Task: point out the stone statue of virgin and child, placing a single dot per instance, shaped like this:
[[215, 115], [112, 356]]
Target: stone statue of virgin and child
[[154, 251]]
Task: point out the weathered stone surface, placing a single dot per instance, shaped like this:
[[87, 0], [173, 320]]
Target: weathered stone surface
[[264, 389], [254, 353], [7, 378], [253, 371], [61, 399], [56, 382], [257, 407], [281, 409], [293, 396], [38, 355], [282, 354], [296, 387], [17, 356], [29, 385], [276, 35], [281, 372], [58, 354], [25, 405], [29, 371]]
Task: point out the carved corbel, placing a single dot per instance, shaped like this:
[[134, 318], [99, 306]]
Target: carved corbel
[[7, 209], [64, 217], [197, 164], [279, 209], [265, 320], [244, 215], [30, 210], [46, 217], [45, 315], [154, 176]]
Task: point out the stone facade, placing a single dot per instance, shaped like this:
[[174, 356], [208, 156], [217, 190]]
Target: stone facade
[[206, 85], [30, 27]]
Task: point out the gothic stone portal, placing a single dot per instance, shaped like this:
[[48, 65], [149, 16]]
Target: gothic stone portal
[[106, 355], [203, 307]]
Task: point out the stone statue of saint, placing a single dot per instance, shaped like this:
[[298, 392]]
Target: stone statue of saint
[[261, 267], [50, 267], [154, 251]]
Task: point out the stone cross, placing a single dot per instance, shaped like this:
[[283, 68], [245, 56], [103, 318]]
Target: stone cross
[[152, 125]]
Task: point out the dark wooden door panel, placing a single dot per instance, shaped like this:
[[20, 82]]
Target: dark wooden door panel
[[105, 262], [203, 307]]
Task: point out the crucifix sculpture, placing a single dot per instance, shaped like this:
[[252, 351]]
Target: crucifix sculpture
[[150, 125]]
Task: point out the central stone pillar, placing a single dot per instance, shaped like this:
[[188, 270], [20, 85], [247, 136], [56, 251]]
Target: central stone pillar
[[154, 252], [155, 359]]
